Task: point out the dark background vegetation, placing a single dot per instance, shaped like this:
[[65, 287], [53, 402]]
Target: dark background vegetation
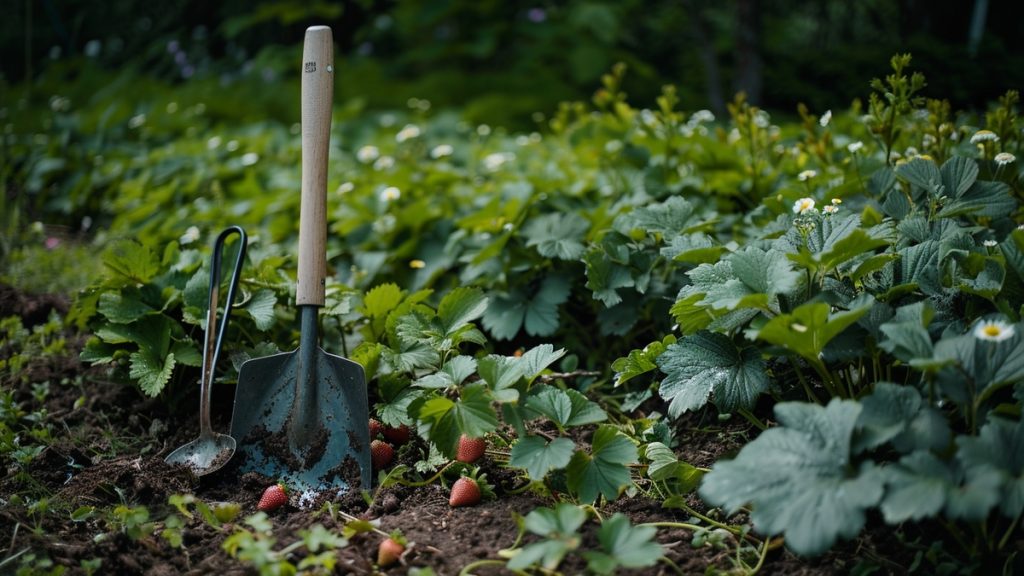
[[501, 60]]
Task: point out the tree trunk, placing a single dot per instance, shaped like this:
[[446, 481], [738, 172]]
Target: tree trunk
[[708, 58], [978, 16], [749, 66]]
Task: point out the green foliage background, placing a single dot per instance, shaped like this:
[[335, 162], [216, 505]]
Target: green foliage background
[[826, 273]]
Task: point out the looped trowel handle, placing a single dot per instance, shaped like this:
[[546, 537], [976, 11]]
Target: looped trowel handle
[[317, 96]]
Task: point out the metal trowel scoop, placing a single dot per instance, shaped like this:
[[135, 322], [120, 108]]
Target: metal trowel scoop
[[211, 450]]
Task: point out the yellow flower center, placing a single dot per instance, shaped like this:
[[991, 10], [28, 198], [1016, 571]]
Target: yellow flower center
[[992, 330]]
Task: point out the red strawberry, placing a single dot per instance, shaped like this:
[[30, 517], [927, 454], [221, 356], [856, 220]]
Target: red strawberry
[[376, 428], [465, 492], [470, 449], [273, 497], [381, 453], [388, 552], [399, 435]]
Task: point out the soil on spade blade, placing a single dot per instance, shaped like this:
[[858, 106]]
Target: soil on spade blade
[[107, 457]]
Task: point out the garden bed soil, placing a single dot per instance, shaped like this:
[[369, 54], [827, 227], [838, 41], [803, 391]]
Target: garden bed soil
[[110, 450]]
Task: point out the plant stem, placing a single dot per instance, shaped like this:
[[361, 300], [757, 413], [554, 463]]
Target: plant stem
[[683, 525], [1009, 531], [826, 378], [760, 559], [428, 480], [803, 382], [753, 419], [467, 569], [672, 564]]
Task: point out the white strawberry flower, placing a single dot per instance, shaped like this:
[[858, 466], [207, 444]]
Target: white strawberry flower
[[993, 330], [803, 205]]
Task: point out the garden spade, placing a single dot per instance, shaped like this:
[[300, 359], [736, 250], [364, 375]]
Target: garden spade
[[302, 417], [210, 451]]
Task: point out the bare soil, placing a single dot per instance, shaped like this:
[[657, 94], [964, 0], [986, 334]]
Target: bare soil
[[110, 450]]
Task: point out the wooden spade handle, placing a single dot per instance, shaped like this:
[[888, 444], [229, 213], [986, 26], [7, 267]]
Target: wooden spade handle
[[317, 95]]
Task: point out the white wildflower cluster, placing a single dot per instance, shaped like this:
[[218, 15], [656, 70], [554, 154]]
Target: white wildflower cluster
[[384, 163], [825, 118], [806, 175], [1004, 158], [346, 187], [982, 136], [441, 151], [418, 104], [854, 147], [695, 124], [832, 207], [409, 132], [190, 235], [367, 154], [493, 162], [390, 193]]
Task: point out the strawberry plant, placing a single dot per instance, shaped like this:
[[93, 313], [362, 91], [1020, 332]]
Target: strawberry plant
[[622, 545], [842, 293]]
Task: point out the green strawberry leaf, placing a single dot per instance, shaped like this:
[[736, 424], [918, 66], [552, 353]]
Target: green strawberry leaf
[[811, 326], [695, 248], [381, 300], [798, 477], [923, 173], [998, 449], [557, 235], [460, 307], [453, 373], [958, 175], [640, 362], [558, 526], [604, 471], [443, 421], [921, 485], [501, 374], [564, 407], [151, 372], [537, 359], [984, 198], [668, 218], [709, 364], [539, 456], [123, 307], [665, 466], [131, 261], [630, 546], [605, 277], [261, 309]]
